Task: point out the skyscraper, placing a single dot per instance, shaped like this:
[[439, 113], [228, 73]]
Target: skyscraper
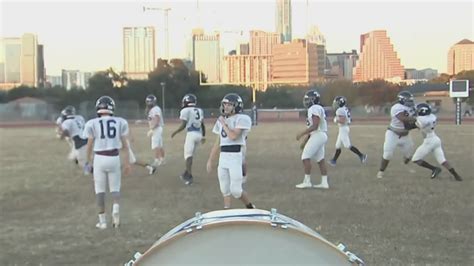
[[206, 55], [461, 57], [21, 61], [261, 42], [283, 19], [138, 51], [378, 59], [315, 36]]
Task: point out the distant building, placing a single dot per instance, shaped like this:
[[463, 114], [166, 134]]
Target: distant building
[[54, 81], [377, 59], [262, 43], [340, 65], [249, 70], [244, 49], [138, 51], [315, 36], [21, 62], [423, 74], [75, 79], [206, 55], [297, 62], [461, 57], [283, 20]]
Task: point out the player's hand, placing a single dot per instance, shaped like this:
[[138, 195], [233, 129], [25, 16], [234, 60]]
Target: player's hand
[[335, 119], [298, 137], [203, 140], [209, 166], [221, 119], [150, 133], [88, 168], [303, 143], [127, 169]]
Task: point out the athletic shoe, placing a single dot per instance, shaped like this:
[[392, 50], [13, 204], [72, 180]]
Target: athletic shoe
[[380, 174], [435, 172], [322, 186], [252, 206], [116, 220], [101, 226], [363, 158], [304, 185], [458, 178], [151, 169], [332, 162]]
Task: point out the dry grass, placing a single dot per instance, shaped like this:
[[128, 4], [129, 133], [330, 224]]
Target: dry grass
[[48, 208]]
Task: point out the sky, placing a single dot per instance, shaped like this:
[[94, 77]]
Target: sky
[[87, 35]]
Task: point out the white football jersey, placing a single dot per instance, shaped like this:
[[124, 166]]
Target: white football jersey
[[59, 121], [426, 124], [346, 113], [317, 110], [156, 111], [394, 111], [236, 121], [193, 117], [106, 131], [74, 124]]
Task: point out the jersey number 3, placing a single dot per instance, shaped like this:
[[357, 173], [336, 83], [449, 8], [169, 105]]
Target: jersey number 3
[[110, 129]]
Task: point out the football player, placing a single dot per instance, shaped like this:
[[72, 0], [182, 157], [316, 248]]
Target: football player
[[426, 122], [402, 120], [343, 119], [106, 135], [192, 118], [232, 127], [313, 147], [156, 124], [72, 127]]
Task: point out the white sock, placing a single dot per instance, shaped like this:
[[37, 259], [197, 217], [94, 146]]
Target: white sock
[[115, 208], [102, 218], [156, 162], [324, 180], [307, 179]]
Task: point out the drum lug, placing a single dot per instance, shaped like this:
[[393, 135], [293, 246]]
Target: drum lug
[[351, 256], [131, 262], [274, 219]]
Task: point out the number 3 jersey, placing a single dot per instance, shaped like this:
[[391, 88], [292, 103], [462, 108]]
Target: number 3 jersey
[[236, 121], [193, 117], [426, 124], [106, 131]]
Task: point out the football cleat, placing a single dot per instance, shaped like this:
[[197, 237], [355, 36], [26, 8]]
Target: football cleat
[[435, 172], [332, 162], [304, 185], [363, 158], [101, 226], [151, 169], [321, 186], [380, 174]]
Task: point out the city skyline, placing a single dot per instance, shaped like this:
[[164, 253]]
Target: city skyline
[[421, 32]]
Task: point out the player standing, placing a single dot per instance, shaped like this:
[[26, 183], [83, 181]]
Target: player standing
[[232, 127], [315, 140], [156, 124], [106, 135]]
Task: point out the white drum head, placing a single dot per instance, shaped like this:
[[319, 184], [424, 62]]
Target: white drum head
[[243, 237]]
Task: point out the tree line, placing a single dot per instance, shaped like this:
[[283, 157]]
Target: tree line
[[179, 80]]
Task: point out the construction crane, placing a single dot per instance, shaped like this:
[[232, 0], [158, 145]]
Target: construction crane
[[167, 35]]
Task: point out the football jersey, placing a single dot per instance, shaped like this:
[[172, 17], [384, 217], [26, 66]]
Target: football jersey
[[106, 131], [193, 117], [426, 124], [394, 111], [236, 121], [344, 111], [317, 110], [74, 124], [156, 111]]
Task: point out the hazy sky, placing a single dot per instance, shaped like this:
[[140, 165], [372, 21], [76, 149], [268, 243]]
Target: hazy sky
[[87, 35]]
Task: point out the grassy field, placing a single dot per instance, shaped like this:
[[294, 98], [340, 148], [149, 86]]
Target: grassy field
[[48, 212]]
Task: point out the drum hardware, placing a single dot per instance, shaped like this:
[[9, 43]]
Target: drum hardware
[[351, 256], [136, 256], [275, 220]]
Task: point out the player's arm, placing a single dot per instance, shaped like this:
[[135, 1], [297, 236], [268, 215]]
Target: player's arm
[[213, 154], [407, 120], [126, 154], [232, 134], [180, 128], [341, 119], [310, 129]]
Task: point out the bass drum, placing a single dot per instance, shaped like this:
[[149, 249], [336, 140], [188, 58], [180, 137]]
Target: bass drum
[[243, 237]]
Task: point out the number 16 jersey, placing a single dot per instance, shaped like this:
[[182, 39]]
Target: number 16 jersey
[[106, 131]]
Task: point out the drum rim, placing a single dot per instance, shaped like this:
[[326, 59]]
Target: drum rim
[[219, 223]]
